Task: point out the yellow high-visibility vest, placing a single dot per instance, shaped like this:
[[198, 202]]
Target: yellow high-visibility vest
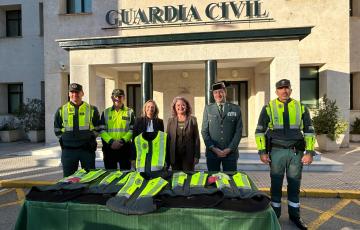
[[158, 152], [117, 124], [85, 114]]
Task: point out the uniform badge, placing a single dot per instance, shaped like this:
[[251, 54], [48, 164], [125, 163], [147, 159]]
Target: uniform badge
[[231, 114], [280, 106], [144, 146], [138, 181]]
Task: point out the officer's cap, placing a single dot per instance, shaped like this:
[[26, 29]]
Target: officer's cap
[[75, 87], [283, 83], [118, 93], [218, 85]]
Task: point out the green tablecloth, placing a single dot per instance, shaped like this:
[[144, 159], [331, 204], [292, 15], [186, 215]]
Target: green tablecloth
[[69, 216]]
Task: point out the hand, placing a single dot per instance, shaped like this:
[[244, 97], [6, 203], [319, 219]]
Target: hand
[[116, 145], [227, 151], [265, 158], [196, 161], [218, 152], [307, 159]]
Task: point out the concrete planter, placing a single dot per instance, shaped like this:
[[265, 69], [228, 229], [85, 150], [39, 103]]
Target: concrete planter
[[11, 135], [355, 137], [328, 145], [36, 135]]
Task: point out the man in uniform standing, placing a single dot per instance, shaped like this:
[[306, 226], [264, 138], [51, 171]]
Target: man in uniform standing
[[116, 132], [221, 131], [76, 124], [290, 144]]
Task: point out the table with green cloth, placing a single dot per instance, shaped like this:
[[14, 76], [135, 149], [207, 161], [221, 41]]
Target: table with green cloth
[[81, 212], [69, 216]]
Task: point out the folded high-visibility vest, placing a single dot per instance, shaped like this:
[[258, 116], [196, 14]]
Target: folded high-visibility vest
[[105, 185], [136, 196]]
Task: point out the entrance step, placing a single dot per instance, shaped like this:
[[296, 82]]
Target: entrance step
[[248, 160]]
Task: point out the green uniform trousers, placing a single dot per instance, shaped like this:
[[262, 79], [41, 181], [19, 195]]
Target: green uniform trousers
[[289, 161], [70, 160]]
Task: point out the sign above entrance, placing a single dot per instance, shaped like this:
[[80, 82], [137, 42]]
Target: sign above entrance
[[188, 15]]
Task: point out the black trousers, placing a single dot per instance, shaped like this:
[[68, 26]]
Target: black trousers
[[70, 160], [118, 156], [228, 165]]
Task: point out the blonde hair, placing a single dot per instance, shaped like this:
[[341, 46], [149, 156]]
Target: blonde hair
[[156, 113]]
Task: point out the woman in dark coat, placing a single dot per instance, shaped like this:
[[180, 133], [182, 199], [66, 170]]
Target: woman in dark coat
[[183, 133], [149, 121]]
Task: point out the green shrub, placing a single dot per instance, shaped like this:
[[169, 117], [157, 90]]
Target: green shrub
[[355, 127], [327, 120], [32, 115], [9, 123]]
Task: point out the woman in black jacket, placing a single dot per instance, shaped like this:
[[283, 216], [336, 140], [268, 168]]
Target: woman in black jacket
[[149, 121]]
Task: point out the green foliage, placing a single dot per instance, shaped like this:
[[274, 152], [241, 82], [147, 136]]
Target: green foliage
[[32, 115], [9, 124], [327, 120], [355, 127]]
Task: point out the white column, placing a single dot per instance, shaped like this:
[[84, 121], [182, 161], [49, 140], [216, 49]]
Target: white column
[[85, 75], [286, 67]]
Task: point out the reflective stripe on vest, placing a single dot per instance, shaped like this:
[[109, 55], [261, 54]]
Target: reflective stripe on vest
[[84, 113], [158, 152], [241, 181], [92, 175], [124, 179], [178, 179], [113, 126], [134, 182], [111, 177], [153, 187], [222, 180], [260, 141], [275, 112], [198, 179]]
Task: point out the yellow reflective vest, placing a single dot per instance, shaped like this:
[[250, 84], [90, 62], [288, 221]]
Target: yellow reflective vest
[[275, 111], [117, 124], [86, 112], [158, 152]]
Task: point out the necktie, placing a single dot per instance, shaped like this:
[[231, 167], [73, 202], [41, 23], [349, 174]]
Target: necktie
[[221, 110]]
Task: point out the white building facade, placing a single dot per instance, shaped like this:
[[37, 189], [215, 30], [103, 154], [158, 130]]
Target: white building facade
[[163, 49]]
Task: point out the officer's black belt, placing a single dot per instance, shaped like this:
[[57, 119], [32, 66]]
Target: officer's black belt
[[283, 147]]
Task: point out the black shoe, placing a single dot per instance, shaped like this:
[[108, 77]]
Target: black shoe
[[299, 223]]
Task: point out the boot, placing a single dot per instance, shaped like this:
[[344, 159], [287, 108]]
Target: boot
[[298, 222]]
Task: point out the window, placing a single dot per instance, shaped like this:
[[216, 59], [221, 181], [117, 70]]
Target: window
[[78, 6], [354, 8], [13, 23], [309, 86], [15, 97]]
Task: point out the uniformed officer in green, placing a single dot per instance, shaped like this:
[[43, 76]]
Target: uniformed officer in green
[[221, 131], [116, 132], [76, 125], [289, 145]]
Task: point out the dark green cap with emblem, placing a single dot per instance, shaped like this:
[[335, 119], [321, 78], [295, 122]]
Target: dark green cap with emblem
[[75, 87], [218, 85], [283, 83], [118, 93]]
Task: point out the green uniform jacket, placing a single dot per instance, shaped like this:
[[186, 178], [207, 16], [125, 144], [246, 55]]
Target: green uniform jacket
[[222, 132], [76, 138]]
